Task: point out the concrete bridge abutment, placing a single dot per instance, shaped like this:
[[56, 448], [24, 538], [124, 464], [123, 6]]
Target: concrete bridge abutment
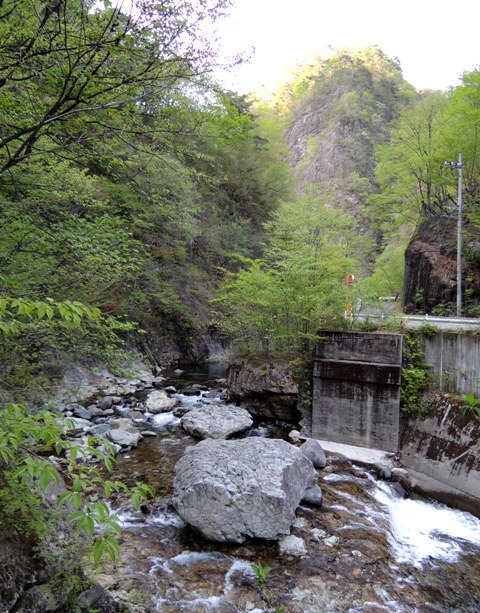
[[356, 389]]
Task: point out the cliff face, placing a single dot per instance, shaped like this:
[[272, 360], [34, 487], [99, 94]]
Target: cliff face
[[431, 269], [339, 109]]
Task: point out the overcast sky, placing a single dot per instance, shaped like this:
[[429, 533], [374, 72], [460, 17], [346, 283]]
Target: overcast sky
[[435, 40]]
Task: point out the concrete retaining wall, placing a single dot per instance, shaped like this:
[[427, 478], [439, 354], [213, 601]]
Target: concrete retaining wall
[[455, 360], [442, 453], [356, 389]]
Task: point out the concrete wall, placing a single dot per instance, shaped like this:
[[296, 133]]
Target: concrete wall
[[356, 389], [455, 360], [442, 453]]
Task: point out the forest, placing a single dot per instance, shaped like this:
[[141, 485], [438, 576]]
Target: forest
[[146, 209], [141, 202]]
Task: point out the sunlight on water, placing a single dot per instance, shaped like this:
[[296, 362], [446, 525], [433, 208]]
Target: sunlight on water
[[423, 530]]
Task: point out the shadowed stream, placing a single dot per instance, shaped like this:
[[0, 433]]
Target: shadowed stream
[[367, 548]]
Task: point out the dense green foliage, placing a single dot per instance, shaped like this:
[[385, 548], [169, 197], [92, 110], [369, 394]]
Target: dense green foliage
[[416, 374], [127, 181], [273, 306], [138, 200], [27, 473], [126, 177], [413, 184]]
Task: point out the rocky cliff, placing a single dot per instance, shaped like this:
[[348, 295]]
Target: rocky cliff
[[340, 107], [431, 269]]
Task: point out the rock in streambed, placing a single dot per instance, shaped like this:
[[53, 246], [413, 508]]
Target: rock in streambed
[[230, 490]]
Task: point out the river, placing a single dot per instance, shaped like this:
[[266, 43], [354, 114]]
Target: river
[[368, 548]]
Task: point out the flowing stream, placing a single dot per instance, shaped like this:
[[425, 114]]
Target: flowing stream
[[368, 548]]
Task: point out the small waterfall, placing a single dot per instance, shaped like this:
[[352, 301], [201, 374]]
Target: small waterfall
[[421, 531]]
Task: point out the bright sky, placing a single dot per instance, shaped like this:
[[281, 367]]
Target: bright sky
[[435, 40]]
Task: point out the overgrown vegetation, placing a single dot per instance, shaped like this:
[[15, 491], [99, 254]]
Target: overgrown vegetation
[[274, 306], [416, 375], [472, 405]]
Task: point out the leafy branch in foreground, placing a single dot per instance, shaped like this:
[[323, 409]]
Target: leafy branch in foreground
[[36, 458], [33, 333]]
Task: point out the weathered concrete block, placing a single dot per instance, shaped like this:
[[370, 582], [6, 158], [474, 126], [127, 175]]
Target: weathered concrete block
[[443, 449], [372, 347], [383, 374], [356, 389]]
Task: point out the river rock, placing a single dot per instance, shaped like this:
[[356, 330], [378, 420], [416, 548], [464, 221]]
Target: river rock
[[123, 433], [77, 410], [294, 436], [105, 403], [234, 489], [125, 438], [159, 402], [312, 449], [74, 424], [216, 421], [292, 546], [313, 495]]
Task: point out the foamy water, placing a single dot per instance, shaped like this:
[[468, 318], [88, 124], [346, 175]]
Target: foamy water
[[164, 419], [425, 530]]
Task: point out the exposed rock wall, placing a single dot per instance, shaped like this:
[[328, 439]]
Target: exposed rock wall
[[267, 391], [430, 269], [339, 108]]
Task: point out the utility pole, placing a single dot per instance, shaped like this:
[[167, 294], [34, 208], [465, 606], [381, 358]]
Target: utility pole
[[459, 166]]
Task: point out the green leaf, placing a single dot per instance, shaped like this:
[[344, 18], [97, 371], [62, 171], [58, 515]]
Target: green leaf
[[77, 499], [112, 548], [63, 497], [74, 517], [98, 551]]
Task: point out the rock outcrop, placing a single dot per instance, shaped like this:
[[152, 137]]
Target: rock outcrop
[[231, 490], [431, 269], [267, 391]]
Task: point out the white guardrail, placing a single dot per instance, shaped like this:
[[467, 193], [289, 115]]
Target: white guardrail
[[417, 321]]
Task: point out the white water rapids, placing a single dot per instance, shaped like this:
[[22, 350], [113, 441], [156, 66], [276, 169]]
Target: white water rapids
[[368, 549]]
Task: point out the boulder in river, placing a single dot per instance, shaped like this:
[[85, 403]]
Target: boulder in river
[[123, 433], [314, 452], [267, 390], [234, 489], [159, 402], [216, 421]]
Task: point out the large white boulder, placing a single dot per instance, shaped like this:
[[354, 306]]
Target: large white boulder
[[229, 490], [216, 421], [159, 402]]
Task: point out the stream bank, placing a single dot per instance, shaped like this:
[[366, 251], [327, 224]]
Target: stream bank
[[366, 549]]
